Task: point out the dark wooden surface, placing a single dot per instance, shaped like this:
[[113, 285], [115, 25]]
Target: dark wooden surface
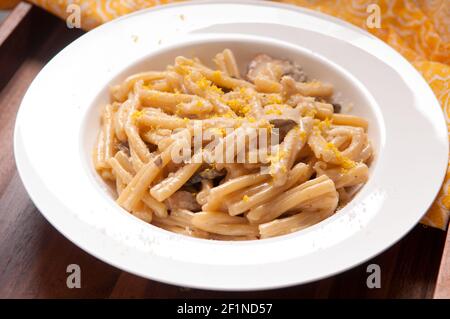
[[34, 256], [442, 289]]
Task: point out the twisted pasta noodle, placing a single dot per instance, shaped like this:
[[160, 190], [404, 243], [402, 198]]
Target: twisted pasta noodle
[[224, 224], [202, 196], [159, 208], [217, 77], [98, 155], [108, 128], [155, 136], [291, 224], [314, 88], [171, 184], [120, 92], [288, 200], [180, 222], [266, 192], [326, 203], [119, 171], [350, 120], [141, 181], [226, 62], [143, 212], [165, 100], [291, 146], [230, 186], [136, 162], [344, 178], [124, 161]]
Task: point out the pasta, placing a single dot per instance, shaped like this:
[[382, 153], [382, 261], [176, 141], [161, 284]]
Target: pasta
[[222, 155]]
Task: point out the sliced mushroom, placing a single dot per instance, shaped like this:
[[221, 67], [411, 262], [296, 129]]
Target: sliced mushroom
[[273, 69], [208, 173], [283, 122], [195, 179], [283, 126], [337, 107], [183, 200], [283, 112], [211, 173], [295, 71]]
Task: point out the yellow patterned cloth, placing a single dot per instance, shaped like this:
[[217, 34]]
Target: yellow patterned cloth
[[418, 29]]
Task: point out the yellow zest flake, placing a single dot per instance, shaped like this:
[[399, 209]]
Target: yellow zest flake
[[234, 104], [345, 162], [283, 169], [203, 83], [325, 124], [216, 89], [245, 110], [199, 103], [137, 114], [273, 112], [186, 120], [207, 85], [275, 99], [245, 198], [238, 106], [303, 135], [251, 119]]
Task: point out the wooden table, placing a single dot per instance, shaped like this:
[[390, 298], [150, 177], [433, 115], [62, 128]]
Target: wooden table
[[34, 256]]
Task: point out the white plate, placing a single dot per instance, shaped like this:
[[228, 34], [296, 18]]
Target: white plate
[[59, 117]]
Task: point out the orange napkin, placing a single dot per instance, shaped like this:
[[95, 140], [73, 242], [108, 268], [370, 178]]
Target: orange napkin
[[418, 29]]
